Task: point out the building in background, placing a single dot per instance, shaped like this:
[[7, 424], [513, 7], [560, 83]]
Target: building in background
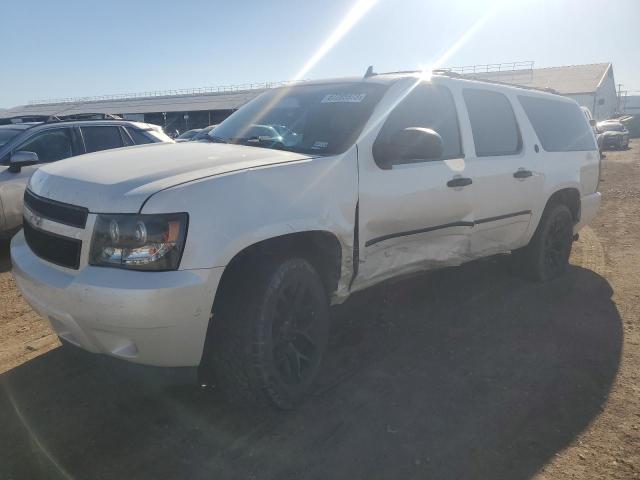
[[175, 110], [591, 86], [630, 104]]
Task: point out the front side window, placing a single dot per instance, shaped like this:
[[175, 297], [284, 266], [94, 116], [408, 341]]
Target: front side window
[[493, 123], [559, 125], [101, 138], [427, 106], [316, 119], [50, 146]]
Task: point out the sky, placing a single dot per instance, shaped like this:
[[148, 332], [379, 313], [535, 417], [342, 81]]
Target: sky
[[76, 48]]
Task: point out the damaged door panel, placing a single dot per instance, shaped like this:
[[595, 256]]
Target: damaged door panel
[[415, 213]]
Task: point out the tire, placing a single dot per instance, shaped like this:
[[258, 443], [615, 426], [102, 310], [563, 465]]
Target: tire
[[270, 334], [547, 255]]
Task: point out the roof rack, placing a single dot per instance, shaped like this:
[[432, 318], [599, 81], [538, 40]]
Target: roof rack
[[40, 119], [437, 71], [23, 119], [82, 116], [507, 84], [446, 72]]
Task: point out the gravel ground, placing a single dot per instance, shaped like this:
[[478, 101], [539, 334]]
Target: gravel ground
[[462, 373]]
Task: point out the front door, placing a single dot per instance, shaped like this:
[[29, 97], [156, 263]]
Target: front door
[[414, 214], [50, 145]]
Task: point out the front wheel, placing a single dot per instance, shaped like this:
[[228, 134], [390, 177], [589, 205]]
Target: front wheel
[[271, 333], [547, 255]]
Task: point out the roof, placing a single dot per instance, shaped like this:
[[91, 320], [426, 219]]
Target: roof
[[169, 103], [19, 126], [571, 79], [73, 123]]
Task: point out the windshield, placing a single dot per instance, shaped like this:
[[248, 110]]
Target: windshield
[[7, 134], [611, 127], [319, 119]]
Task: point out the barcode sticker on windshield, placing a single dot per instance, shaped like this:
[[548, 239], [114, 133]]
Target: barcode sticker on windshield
[[343, 98]]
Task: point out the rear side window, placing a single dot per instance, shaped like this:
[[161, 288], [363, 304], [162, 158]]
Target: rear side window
[[493, 123], [427, 106], [560, 126], [139, 137], [101, 138]]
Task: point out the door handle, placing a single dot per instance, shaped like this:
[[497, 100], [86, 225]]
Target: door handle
[[459, 182], [522, 173]]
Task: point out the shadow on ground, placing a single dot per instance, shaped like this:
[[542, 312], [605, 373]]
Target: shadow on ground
[[464, 373]]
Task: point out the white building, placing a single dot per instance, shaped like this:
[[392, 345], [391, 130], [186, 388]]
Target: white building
[[592, 85], [631, 104]]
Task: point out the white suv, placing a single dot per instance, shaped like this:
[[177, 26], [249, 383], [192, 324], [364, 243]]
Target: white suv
[[226, 255]]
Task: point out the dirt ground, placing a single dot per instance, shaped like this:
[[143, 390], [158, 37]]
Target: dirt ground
[[460, 374]]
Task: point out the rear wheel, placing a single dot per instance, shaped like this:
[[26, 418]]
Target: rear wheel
[[547, 255], [270, 333]]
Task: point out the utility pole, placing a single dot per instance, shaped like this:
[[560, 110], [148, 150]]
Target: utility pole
[[619, 109]]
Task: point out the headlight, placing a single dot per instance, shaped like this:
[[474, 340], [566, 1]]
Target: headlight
[[139, 242]]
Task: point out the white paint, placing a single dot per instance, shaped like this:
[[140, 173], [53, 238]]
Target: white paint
[[237, 196]]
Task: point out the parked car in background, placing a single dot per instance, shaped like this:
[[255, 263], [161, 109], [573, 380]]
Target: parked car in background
[[614, 135], [203, 133], [26, 146], [225, 256], [188, 135], [592, 123]]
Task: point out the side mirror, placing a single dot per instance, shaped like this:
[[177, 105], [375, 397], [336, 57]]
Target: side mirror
[[22, 159], [414, 143], [592, 122]]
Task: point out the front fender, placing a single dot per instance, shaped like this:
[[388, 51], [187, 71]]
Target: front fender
[[229, 213], [12, 186]]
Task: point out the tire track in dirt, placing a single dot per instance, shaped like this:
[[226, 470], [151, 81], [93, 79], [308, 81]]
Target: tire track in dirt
[[590, 253]]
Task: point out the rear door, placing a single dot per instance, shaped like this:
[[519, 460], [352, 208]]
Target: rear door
[[505, 178], [411, 216]]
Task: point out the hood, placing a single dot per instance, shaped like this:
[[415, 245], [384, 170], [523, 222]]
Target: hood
[[120, 180], [611, 133]]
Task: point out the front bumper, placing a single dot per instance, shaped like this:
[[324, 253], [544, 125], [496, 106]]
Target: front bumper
[[152, 318]]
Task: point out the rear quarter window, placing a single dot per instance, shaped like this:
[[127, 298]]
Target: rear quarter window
[[139, 137], [560, 126]]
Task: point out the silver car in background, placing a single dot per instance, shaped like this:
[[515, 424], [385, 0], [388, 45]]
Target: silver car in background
[[24, 146]]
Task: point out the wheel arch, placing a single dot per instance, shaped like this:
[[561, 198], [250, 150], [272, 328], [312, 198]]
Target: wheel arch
[[569, 196], [321, 248]]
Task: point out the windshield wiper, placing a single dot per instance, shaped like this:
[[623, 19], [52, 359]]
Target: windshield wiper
[[214, 139], [259, 142]]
